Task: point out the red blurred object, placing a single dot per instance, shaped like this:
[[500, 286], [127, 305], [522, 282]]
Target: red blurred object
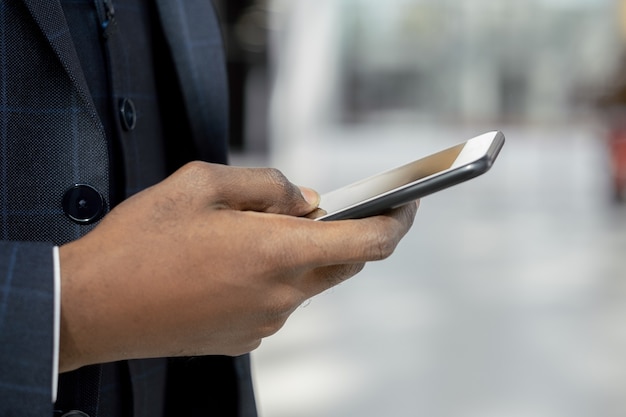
[[617, 155]]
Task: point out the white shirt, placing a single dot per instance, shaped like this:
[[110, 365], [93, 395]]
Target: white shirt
[[56, 331]]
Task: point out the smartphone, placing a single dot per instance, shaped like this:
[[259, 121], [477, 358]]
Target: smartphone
[[414, 180]]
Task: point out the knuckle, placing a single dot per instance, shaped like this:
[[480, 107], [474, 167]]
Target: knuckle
[[383, 246], [356, 268], [271, 326], [277, 312], [410, 210], [344, 272], [243, 348], [192, 168], [195, 174], [276, 177], [253, 345], [332, 276], [278, 180]]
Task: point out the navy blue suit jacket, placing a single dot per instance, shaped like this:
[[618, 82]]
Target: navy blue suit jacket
[[50, 138]]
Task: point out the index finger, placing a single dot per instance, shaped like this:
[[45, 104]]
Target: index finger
[[363, 240]]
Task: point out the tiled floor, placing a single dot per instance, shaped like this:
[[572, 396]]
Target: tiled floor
[[506, 299]]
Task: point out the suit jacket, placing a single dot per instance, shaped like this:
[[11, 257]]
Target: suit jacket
[[51, 138]]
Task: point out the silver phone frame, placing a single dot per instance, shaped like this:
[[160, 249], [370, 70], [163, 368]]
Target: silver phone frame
[[476, 158]]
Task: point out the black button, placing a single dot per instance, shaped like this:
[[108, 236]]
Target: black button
[[83, 204], [75, 413], [128, 114]]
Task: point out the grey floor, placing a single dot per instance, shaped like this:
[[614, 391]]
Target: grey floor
[[506, 299]]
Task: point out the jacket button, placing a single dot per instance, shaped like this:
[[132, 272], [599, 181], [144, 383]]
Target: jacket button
[[83, 204], [128, 114], [75, 413]]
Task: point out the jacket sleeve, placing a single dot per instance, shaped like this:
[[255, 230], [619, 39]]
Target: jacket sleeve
[[26, 329]]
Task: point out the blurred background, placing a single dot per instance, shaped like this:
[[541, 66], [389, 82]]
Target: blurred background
[[508, 296]]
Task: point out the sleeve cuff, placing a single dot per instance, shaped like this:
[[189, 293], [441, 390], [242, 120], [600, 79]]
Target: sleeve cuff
[[56, 323]]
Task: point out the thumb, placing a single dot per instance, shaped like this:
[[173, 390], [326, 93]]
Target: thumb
[[268, 190], [311, 196], [253, 189]]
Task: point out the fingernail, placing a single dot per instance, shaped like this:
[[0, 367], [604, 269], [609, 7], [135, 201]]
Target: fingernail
[[311, 196]]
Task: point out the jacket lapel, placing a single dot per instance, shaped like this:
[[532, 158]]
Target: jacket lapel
[[50, 18], [194, 38]]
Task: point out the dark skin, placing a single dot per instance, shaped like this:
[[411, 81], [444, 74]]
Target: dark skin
[[210, 261]]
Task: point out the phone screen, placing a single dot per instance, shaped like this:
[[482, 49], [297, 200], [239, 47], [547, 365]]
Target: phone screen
[[391, 180]]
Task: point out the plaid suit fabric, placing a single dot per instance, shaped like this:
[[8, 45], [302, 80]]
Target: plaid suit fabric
[[26, 300], [50, 138]]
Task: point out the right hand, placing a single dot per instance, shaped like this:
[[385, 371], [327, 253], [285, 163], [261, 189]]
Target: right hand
[[209, 261]]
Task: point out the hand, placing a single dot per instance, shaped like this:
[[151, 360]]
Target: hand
[[209, 261]]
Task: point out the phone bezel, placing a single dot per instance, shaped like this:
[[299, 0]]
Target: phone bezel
[[476, 158]]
